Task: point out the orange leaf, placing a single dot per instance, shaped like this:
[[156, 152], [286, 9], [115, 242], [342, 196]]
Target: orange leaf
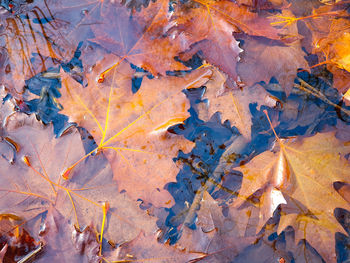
[[132, 128]]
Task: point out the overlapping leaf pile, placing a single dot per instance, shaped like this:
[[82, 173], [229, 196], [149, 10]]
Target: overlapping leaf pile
[[174, 131]]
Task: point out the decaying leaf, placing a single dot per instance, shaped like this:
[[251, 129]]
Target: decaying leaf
[[342, 51], [133, 127], [142, 38], [62, 242], [15, 241], [76, 201], [32, 44], [261, 4], [325, 34]]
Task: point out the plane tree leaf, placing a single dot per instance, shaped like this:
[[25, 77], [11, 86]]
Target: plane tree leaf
[[305, 170], [142, 38], [132, 128], [209, 27], [32, 183], [280, 60]]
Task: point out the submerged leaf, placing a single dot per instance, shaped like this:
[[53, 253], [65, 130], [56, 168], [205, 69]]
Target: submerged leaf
[[304, 170], [31, 186], [132, 128]]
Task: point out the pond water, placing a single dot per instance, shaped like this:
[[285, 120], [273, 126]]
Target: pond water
[[175, 131]]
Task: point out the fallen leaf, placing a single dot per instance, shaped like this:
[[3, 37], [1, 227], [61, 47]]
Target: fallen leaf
[[320, 232], [141, 38], [62, 242], [33, 183], [33, 44], [225, 242], [304, 170], [15, 241], [325, 34], [341, 51], [147, 248], [261, 4], [209, 26], [132, 128], [233, 104], [267, 59]]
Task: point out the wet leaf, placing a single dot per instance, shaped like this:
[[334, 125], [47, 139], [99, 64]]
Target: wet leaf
[[147, 248], [304, 170], [132, 128], [33, 184], [141, 38], [209, 27], [233, 104]]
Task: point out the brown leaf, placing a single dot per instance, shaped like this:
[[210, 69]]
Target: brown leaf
[[15, 241], [320, 232], [261, 4], [31, 47], [270, 59], [225, 241], [63, 243]]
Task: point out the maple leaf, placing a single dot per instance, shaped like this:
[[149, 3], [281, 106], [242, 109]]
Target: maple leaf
[[320, 232], [342, 51], [321, 30], [280, 61], [133, 127], [62, 242], [282, 248], [209, 28], [142, 38], [15, 241], [261, 4], [304, 170], [31, 187]]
